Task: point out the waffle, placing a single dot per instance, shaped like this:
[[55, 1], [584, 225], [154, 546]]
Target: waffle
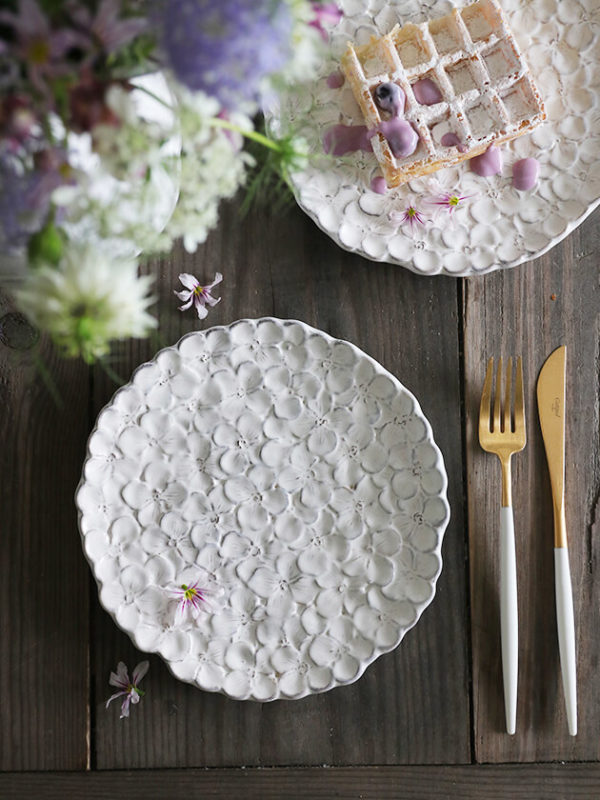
[[488, 95]]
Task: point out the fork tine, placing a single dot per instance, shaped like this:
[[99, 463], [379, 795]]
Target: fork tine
[[507, 410], [497, 398], [485, 408], [519, 401]]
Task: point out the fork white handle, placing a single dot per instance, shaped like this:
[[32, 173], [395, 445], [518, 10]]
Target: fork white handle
[[509, 620], [566, 633]]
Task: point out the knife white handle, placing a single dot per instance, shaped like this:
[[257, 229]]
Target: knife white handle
[[509, 620], [566, 633]]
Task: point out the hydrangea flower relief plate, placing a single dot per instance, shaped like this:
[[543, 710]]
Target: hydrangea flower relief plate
[[289, 474], [500, 227]]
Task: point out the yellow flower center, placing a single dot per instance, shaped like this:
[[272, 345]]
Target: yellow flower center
[[454, 200], [199, 290], [38, 52], [188, 592], [411, 211]]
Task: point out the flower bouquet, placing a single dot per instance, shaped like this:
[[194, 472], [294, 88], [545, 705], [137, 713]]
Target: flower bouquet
[[122, 127]]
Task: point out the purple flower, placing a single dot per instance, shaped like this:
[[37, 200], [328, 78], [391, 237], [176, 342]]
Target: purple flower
[[128, 688], [326, 16], [108, 29], [39, 47], [24, 202], [199, 296], [192, 597], [226, 49], [448, 201]]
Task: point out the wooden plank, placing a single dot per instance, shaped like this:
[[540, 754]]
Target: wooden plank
[[43, 578], [550, 781], [532, 310], [410, 706]]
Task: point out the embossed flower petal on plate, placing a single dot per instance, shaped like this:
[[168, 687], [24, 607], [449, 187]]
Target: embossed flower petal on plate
[[288, 478], [498, 227]]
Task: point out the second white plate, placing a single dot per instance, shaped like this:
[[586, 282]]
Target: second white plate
[[499, 226]]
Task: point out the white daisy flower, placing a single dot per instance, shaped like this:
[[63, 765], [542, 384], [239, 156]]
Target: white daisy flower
[[88, 301]]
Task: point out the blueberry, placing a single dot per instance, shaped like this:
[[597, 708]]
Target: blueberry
[[390, 97]]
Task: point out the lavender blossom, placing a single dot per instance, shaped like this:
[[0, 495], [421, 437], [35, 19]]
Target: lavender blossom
[[226, 49]]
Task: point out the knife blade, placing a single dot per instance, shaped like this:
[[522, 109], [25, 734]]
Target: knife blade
[[551, 398]]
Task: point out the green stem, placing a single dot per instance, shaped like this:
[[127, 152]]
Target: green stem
[[151, 94], [217, 122]]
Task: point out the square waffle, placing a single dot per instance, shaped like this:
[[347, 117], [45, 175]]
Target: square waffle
[[488, 95]]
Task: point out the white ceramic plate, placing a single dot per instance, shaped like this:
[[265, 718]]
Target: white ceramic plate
[[294, 479], [499, 227]]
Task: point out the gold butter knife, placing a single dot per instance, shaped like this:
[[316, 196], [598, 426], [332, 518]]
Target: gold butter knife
[[551, 397]]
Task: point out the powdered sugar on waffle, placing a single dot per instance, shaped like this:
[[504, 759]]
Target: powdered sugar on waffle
[[488, 95]]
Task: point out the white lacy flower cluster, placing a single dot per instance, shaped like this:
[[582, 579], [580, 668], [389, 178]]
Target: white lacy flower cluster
[[213, 166], [127, 174], [158, 175], [288, 471], [152, 179]]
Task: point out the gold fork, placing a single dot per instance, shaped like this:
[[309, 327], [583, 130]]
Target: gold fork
[[502, 431]]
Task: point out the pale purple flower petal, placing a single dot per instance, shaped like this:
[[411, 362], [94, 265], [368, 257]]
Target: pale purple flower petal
[[139, 671], [113, 31], [125, 707], [120, 678], [113, 697], [188, 281]]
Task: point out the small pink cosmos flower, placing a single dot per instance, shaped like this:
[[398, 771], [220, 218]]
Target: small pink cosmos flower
[[190, 597], [449, 201], [199, 296], [411, 216], [129, 688], [326, 15]]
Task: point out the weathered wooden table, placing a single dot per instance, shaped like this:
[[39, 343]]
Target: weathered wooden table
[[425, 721]]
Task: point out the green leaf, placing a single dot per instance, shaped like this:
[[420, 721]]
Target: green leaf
[[46, 246]]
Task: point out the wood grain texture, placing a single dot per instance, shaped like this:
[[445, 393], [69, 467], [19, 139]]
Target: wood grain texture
[[535, 782], [530, 311], [43, 582], [412, 705]]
